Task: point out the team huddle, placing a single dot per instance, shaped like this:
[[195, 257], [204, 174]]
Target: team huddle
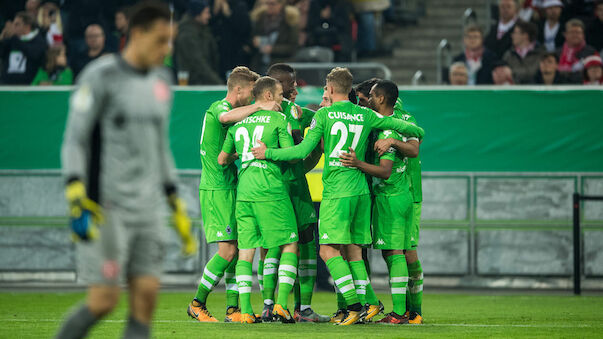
[[118, 171], [371, 176]]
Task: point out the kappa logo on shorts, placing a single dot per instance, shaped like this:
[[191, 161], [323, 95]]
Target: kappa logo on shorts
[[219, 234], [292, 236], [313, 215], [325, 236], [380, 242]]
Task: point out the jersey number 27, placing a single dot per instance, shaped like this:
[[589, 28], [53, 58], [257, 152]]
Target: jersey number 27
[[341, 127]]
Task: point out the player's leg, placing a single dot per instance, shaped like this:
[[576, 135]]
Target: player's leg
[[217, 210], [233, 312], [398, 280], [279, 230], [249, 239], [143, 298], [334, 230], [361, 236], [271, 263], [99, 263], [415, 271]]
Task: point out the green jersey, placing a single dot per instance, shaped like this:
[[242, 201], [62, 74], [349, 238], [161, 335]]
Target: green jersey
[[413, 166], [342, 125], [297, 170], [259, 180], [213, 133], [397, 183]]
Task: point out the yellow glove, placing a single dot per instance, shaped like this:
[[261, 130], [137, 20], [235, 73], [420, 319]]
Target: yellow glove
[[84, 214], [182, 223]]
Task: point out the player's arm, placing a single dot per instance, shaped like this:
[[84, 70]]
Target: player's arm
[[237, 114], [383, 171], [386, 122], [296, 152], [409, 148], [228, 153], [312, 160]]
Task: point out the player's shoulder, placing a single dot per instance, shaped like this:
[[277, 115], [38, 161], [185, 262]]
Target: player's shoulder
[[103, 67], [164, 74], [219, 106]]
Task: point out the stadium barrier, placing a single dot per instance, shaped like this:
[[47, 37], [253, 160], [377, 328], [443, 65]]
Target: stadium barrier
[[500, 167], [577, 237]]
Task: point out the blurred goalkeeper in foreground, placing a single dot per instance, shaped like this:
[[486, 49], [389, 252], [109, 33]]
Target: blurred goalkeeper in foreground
[[118, 166]]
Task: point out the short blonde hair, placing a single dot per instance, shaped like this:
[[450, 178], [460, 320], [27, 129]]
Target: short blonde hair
[[241, 76], [341, 79]]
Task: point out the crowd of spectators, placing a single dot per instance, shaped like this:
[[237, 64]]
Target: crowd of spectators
[[46, 42], [545, 42]]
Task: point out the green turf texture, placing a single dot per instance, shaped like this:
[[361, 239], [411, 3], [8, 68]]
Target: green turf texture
[[38, 315]]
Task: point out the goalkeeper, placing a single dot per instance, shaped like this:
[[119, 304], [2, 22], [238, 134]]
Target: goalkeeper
[[116, 155]]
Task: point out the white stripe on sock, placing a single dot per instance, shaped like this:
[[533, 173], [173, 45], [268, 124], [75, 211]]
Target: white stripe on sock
[[211, 275], [307, 273], [242, 278], [229, 276], [268, 301], [260, 277], [286, 280], [271, 261], [288, 268], [207, 283], [398, 279], [232, 287], [308, 262], [269, 271], [346, 288], [343, 279], [361, 282], [416, 289], [398, 290], [360, 291], [244, 289]]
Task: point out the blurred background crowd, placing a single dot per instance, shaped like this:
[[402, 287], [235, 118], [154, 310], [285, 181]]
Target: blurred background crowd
[[49, 42]]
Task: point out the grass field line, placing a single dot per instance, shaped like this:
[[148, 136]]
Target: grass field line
[[8, 320]]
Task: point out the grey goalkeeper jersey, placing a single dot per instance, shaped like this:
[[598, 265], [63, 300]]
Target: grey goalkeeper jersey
[[116, 139]]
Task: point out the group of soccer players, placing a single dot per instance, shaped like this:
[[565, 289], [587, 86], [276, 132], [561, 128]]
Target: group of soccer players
[[371, 177], [118, 170]]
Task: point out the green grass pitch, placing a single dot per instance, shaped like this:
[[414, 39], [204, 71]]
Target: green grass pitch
[[37, 315]]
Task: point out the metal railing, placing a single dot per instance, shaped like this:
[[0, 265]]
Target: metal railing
[[443, 48], [417, 78], [578, 239], [469, 17], [315, 73]]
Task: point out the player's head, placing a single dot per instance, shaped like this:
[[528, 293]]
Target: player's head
[[363, 89], [149, 33], [286, 75], [353, 97], [383, 95], [268, 89], [240, 83], [339, 81]]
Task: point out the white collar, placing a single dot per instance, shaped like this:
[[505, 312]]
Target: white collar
[[505, 27], [29, 35]]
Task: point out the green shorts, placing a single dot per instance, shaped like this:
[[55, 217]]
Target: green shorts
[[266, 224], [218, 213], [301, 200], [415, 227], [345, 220], [392, 220]]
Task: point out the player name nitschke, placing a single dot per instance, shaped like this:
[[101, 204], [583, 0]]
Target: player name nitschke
[[256, 119]]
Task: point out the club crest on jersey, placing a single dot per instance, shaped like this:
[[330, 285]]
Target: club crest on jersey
[[313, 123], [228, 229], [161, 91]]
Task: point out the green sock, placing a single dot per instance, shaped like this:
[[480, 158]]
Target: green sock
[[297, 294], [362, 283], [261, 275], [232, 291], [415, 286], [340, 271], [398, 279], [271, 274], [341, 305], [245, 282], [307, 273], [213, 272], [287, 272]]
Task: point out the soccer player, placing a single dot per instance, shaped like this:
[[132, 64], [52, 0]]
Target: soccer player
[[414, 292], [363, 91], [392, 207], [116, 154], [345, 214], [297, 186], [264, 213], [217, 193]]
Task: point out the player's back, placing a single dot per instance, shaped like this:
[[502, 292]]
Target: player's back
[[213, 133], [345, 125], [259, 180]]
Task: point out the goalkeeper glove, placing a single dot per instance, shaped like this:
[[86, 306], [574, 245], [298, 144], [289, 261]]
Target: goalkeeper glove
[[182, 223], [84, 214]]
